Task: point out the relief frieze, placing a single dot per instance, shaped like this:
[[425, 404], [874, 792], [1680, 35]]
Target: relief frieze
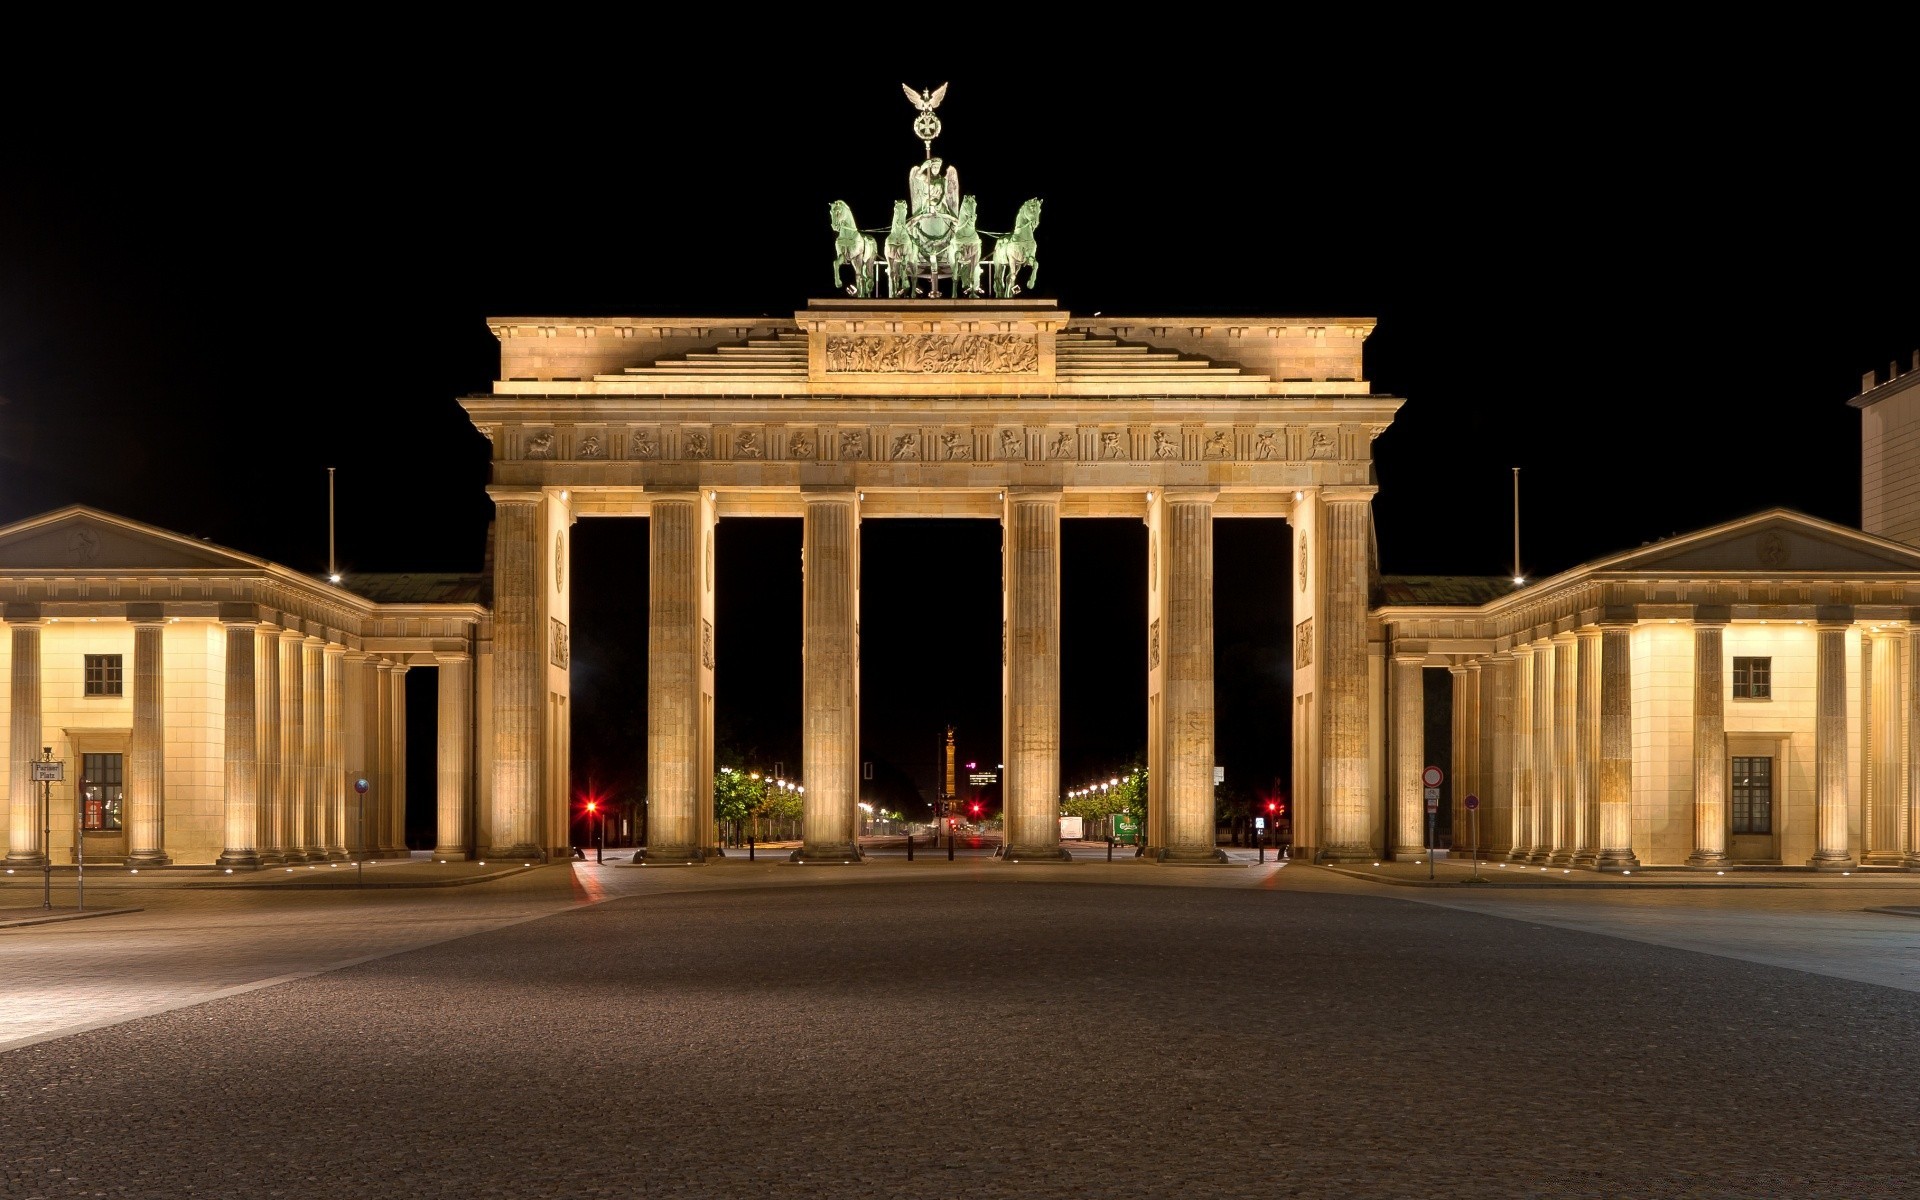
[[934, 354]]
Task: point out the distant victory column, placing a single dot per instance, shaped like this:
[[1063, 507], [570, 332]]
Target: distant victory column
[[948, 795]]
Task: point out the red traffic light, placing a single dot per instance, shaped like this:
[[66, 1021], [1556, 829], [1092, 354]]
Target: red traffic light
[[592, 805], [976, 810], [1273, 806]]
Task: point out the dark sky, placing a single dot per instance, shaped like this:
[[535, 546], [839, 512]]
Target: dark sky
[[1650, 273]]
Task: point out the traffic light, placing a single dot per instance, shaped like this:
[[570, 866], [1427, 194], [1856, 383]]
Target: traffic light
[[1273, 806], [976, 808], [592, 806]]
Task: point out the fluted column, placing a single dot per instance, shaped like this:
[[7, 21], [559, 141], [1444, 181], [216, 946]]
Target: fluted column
[[146, 780], [830, 677], [1496, 755], [1467, 775], [455, 746], [25, 845], [380, 811], [519, 674], [1186, 531], [1586, 735], [1913, 747], [1030, 552], [313, 683], [1615, 805], [1346, 790], [1409, 754], [241, 799], [333, 776], [396, 811], [353, 734], [374, 743], [1830, 747], [272, 843], [1883, 773], [678, 786], [293, 746], [1545, 769], [1709, 744], [1523, 775], [1566, 699]]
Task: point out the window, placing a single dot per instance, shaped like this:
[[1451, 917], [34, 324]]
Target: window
[[103, 675], [100, 791], [1753, 794], [1752, 678]]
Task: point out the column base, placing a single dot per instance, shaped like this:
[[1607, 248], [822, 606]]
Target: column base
[[1584, 860], [835, 855], [314, 854], [1519, 854], [1347, 854], [1408, 853], [1707, 859], [155, 859], [1560, 858], [26, 858], [243, 860], [669, 856], [337, 856], [1616, 860], [524, 852], [1884, 858], [453, 853], [1033, 854], [1194, 858], [1913, 862], [1832, 862]]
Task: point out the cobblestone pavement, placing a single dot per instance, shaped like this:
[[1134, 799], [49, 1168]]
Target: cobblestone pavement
[[974, 1030]]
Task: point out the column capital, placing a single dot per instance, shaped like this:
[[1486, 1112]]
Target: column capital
[[514, 495], [1589, 632], [1564, 636], [334, 650], [451, 658], [1833, 614], [1178, 495], [356, 657], [1410, 653], [146, 614], [313, 639], [1349, 492], [1712, 614], [23, 614]]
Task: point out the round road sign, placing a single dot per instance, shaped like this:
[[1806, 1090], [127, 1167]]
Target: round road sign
[[360, 785], [1432, 776], [1473, 802]]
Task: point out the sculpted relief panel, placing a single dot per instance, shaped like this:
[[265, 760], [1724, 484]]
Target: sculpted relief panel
[[934, 354]]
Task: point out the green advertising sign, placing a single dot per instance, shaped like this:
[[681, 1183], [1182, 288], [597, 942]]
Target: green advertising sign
[[1124, 828]]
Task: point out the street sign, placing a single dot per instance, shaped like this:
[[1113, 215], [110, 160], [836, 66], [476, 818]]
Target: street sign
[[1433, 799], [360, 785], [1432, 776], [49, 772], [1219, 775], [1259, 822], [1473, 803]]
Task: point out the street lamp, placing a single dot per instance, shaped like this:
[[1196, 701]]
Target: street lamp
[[600, 832]]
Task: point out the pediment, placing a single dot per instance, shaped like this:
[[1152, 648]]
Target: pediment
[[1780, 542], [86, 540]]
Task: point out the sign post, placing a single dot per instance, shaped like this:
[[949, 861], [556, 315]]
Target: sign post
[[360, 829], [1431, 778], [1473, 807], [46, 773]]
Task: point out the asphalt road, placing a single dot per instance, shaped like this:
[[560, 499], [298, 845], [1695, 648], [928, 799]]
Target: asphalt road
[[1010, 1036]]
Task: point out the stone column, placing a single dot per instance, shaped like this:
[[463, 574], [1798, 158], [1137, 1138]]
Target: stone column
[[1566, 698], [396, 811], [1615, 779], [25, 829], [1586, 734], [1467, 775], [293, 748], [1409, 755], [374, 743], [676, 790], [147, 774], [380, 811], [1883, 826], [241, 802], [333, 779], [830, 698], [1545, 772], [1913, 747], [1496, 755], [1523, 776], [519, 674], [313, 687], [266, 695], [1187, 689], [1830, 744], [1030, 610], [456, 750], [1709, 742], [353, 730], [1346, 791]]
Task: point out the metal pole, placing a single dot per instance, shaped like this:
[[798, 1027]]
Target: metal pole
[[79, 856], [46, 830], [1430, 841], [333, 567], [1517, 576], [1476, 843]]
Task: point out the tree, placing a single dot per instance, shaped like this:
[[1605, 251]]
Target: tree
[[1128, 796], [737, 796]]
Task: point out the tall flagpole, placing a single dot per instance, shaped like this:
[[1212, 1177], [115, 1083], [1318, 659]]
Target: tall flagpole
[[1518, 578], [333, 566]]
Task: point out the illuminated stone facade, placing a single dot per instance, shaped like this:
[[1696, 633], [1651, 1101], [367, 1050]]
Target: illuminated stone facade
[[213, 708]]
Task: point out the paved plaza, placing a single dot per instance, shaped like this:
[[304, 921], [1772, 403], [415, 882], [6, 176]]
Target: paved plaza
[[966, 1028]]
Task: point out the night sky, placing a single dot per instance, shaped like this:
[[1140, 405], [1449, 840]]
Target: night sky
[[1648, 276]]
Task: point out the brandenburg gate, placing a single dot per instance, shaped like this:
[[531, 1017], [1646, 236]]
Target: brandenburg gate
[[865, 406]]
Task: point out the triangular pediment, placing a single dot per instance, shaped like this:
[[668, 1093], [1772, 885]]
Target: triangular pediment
[[1778, 541], [84, 540]]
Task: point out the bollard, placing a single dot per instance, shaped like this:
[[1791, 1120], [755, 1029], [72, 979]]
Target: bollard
[[909, 847], [750, 848], [1263, 849], [949, 845], [1109, 849]]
